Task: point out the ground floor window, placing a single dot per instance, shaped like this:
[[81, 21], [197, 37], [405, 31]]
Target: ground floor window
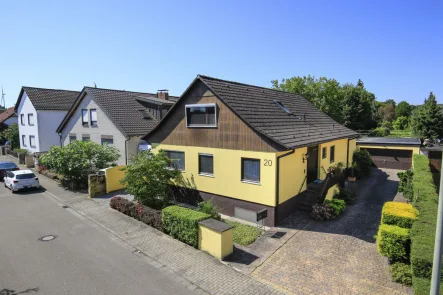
[[85, 137], [23, 140], [206, 164], [177, 160], [32, 141], [107, 140], [250, 170], [72, 137], [332, 153]]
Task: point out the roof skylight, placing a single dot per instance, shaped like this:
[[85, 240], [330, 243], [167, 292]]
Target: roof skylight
[[281, 105]]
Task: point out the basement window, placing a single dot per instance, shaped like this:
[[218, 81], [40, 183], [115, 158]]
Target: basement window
[[201, 115], [282, 106]]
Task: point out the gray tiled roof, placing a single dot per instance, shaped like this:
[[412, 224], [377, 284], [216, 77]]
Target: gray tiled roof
[[255, 105], [49, 99], [389, 140]]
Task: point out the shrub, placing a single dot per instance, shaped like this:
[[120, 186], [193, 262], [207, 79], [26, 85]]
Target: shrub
[[208, 207], [322, 212], [243, 234], [338, 206], [401, 273], [423, 230], [400, 214], [346, 195], [21, 151], [393, 242], [118, 203], [182, 223], [405, 177], [380, 132], [363, 162]]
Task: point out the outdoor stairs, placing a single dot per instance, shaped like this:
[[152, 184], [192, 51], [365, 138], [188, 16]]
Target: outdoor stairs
[[310, 197]]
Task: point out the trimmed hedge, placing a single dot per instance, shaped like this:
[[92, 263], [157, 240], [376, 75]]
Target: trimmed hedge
[[422, 286], [182, 223], [400, 214], [401, 273], [423, 230], [393, 242]]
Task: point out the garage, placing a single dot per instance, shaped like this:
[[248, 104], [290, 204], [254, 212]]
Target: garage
[[391, 152]]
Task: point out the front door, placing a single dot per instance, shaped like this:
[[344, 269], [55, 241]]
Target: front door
[[312, 172]]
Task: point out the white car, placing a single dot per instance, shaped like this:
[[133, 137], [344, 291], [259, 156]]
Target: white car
[[21, 179]]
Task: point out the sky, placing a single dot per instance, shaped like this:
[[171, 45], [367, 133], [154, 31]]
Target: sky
[[393, 46]]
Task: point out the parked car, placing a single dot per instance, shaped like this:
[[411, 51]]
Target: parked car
[[22, 179], [7, 166]]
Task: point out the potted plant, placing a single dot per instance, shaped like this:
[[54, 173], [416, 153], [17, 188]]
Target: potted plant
[[351, 173]]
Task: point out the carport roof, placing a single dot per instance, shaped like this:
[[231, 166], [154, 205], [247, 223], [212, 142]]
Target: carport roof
[[389, 141]]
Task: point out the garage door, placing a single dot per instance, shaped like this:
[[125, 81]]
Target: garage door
[[392, 159]]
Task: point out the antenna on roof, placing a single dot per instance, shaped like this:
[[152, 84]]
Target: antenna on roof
[[95, 85], [2, 102]]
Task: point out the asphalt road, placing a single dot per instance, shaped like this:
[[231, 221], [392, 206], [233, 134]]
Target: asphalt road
[[83, 259]]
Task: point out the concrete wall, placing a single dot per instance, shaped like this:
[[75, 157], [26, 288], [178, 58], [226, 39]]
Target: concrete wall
[[11, 120], [341, 155], [104, 127], [227, 173], [292, 174], [48, 121], [25, 107]]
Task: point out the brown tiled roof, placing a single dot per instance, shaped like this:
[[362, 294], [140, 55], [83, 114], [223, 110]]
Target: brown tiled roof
[[122, 108], [7, 114], [304, 124], [49, 99]]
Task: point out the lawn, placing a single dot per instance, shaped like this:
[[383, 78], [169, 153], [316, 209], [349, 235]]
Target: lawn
[[244, 234]]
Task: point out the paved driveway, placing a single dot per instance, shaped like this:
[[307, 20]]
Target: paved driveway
[[338, 256]]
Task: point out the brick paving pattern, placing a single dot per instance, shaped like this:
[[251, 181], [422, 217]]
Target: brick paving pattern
[[338, 256]]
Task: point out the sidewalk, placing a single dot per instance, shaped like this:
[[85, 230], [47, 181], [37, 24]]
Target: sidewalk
[[200, 269]]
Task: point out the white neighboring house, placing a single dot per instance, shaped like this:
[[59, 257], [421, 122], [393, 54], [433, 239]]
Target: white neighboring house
[[115, 117], [39, 113], [7, 118]]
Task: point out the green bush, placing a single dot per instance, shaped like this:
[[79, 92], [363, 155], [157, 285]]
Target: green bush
[[363, 162], [337, 205], [182, 223], [21, 151], [393, 242], [401, 273], [346, 195], [243, 234], [400, 214], [423, 230], [405, 184], [380, 132], [208, 207]]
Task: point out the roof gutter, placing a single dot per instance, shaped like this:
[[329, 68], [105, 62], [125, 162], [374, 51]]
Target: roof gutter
[[277, 182]]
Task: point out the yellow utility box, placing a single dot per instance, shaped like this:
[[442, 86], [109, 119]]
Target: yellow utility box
[[215, 238]]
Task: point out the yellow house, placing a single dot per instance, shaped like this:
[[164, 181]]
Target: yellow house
[[251, 148]]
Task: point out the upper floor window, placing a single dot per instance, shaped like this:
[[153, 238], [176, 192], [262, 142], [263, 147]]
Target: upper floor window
[[332, 153], [206, 164], [72, 137], [93, 117], [201, 115], [22, 119], [177, 160], [32, 141], [31, 119], [85, 117], [107, 139], [250, 170]]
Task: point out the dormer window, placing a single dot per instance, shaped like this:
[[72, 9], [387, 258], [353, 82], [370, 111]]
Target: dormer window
[[201, 115], [282, 106]]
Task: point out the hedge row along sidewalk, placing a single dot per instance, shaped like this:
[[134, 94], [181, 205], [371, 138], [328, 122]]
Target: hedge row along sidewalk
[[423, 230]]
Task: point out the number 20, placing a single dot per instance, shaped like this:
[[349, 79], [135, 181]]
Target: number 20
[[268, 162]]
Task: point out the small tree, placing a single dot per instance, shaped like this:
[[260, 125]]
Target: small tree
[[79, 159], [148, 178], [401, 123], [427, 120], [363, 162], [12, 134]]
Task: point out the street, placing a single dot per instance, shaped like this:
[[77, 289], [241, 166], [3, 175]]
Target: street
[[84, 258]]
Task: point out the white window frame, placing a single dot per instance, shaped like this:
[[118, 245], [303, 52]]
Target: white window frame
[[198, 105], [30, 141], [85, 123], [93, 122], [31, 115]]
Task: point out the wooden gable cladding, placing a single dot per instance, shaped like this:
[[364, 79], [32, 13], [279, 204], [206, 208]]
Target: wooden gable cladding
[[231, 131]]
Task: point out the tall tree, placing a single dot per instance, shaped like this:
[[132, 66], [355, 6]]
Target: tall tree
[[403, 109], [386, 111], [358, 108], [427, 120]]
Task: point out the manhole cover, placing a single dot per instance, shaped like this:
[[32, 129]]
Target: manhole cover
[[48, 238]]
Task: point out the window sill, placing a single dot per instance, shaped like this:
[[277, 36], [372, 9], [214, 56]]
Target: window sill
[[331, 162], [201, 126], [206, 175], [251, 182], [169, 168]]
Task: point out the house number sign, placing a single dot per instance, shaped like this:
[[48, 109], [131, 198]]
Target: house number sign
[[268, 162]]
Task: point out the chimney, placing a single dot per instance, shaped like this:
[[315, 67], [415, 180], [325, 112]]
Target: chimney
[[163, 94]]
